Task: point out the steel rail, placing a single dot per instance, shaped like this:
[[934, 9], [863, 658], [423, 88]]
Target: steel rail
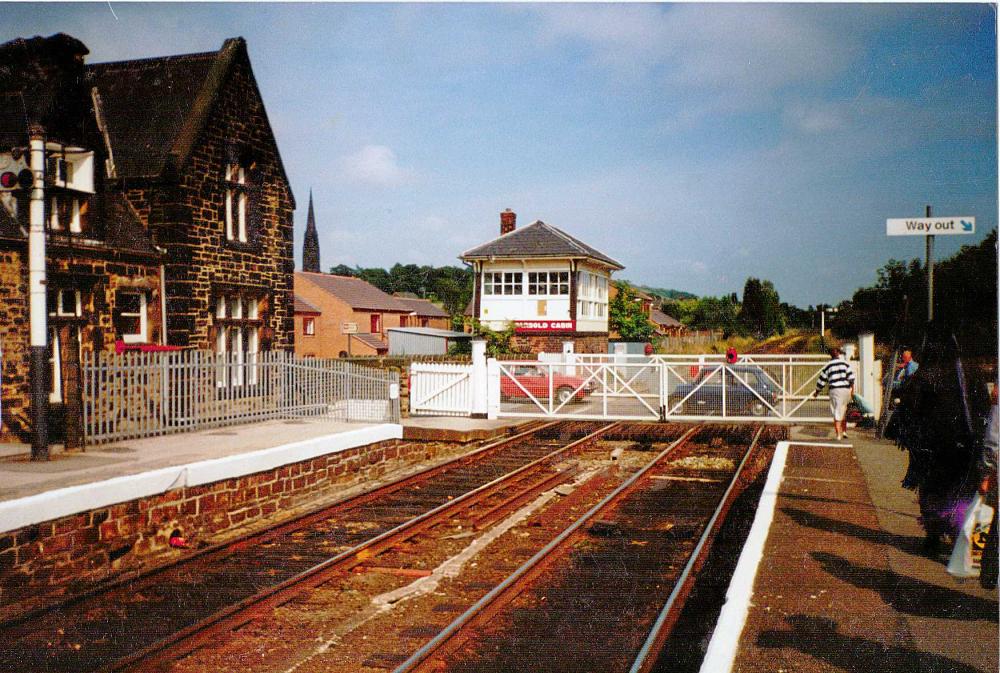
[[532, 566], [650, 649], [15, 625], [190, 638]]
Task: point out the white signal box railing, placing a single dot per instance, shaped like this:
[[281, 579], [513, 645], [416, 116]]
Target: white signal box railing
[[760, 388]]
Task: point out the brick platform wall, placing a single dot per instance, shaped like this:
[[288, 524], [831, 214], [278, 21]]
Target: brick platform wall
[[69, 555]]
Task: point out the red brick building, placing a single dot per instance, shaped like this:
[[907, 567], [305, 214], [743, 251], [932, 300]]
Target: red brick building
[[185, 238]]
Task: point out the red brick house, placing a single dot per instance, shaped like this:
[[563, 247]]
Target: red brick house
[[185, 238], [353, 315], [423, 313]]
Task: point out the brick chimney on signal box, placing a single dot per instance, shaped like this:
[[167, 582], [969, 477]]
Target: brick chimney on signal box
[[508, 221]]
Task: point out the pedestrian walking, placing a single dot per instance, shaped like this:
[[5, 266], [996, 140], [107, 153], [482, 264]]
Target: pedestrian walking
[[838, 376], [939, 421]]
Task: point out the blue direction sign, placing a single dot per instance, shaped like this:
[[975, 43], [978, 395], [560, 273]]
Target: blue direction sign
[[930, 226]]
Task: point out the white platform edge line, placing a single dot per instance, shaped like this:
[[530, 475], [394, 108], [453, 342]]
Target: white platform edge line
[[722, 648], [58, 503]]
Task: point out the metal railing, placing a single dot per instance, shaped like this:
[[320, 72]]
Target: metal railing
[[773, 388], [133, 395]]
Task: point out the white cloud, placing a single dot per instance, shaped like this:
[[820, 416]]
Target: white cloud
[[732, 56], [375, 165]]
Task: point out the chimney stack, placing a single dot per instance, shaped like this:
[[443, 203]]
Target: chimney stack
[[508, 221]]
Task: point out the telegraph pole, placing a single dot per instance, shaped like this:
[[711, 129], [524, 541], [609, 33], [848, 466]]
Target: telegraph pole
[[930, 273]]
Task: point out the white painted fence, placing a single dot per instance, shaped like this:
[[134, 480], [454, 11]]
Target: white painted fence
[[441, 389], [663, 387]]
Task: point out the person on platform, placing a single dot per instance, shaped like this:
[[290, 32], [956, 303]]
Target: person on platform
[[906, 368], [939, 421], [838, 376], [988, 489]]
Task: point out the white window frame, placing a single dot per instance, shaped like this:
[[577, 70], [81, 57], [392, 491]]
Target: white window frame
[[239, 343], [236, 222], [503, 283], [308, 325], [55, 357], [142, 335]]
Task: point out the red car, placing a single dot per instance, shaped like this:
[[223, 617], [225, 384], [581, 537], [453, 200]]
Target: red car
[[535, 380]]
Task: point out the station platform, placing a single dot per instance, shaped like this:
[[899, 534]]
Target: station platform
[[458, 428], [75, 481], [840, 582]]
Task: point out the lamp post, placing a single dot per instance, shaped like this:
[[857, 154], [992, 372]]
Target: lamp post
[[822, 318]]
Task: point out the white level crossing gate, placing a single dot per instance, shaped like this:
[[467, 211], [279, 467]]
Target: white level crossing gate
[[774, 388]]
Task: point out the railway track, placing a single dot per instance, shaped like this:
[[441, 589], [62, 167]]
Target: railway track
[[152, 620], [603, 595]]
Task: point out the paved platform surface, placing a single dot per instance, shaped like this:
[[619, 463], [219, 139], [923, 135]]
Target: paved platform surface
[[843, 585], [21, 477], [457, 428]]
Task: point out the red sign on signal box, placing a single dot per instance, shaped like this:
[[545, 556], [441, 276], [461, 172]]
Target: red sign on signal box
[[522, 326]]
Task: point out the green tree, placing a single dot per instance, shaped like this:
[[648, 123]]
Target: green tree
[[761, 313], [716, 313], [625, 316]]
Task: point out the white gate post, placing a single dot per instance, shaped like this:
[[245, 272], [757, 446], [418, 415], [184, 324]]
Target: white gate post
[[480, 381], [869, 383], [492, 388], [568, 359]]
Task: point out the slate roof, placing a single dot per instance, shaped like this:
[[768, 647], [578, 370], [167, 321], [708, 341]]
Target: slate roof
[[538, 239], [156, 108], [147, 104], [423, 307], [38, 80], [302, 306], [354, 292], [661, 318], [123, 228]]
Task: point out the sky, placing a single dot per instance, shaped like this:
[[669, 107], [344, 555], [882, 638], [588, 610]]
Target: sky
[[697, 144]]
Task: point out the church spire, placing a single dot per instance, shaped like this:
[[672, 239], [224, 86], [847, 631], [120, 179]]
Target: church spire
[[310, 248]]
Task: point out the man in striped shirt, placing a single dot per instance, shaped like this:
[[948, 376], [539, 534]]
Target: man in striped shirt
[[838, 375]]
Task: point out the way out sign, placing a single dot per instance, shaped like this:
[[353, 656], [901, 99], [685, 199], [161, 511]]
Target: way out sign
[[929, 226]]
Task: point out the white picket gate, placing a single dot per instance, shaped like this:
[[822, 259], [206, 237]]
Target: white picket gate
[[440, 389]]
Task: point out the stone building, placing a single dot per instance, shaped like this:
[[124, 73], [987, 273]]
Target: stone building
[[550, 286], [185, 235]]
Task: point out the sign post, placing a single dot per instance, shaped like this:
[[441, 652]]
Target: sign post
[[930, 227], [349, 328]]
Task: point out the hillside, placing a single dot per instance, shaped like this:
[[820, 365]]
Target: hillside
[[666, 293]]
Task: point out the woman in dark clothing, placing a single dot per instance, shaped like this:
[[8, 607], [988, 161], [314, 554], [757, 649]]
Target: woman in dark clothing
[[939, 421]]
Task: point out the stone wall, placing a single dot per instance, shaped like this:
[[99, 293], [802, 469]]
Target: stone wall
[[99, 274], [69, 555], [188, 218]]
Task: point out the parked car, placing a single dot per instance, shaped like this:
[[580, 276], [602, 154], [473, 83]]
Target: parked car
[[536, 381], [740, 397]]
